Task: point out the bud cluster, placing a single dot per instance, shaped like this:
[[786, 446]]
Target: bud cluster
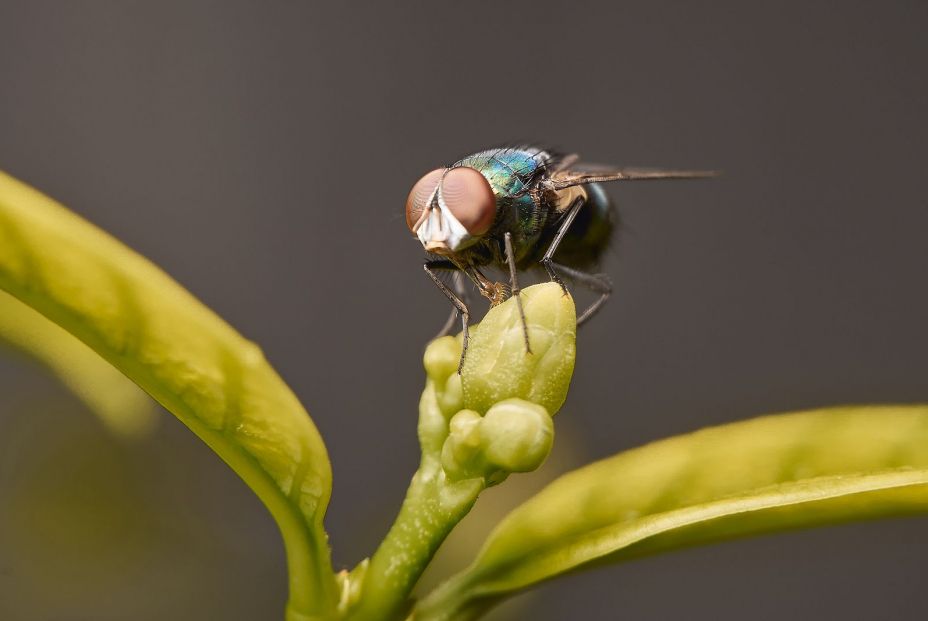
[[495, 417]]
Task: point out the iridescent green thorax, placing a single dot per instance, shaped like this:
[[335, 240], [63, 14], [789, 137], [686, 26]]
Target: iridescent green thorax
[[509, 171], [530, 213], [513, 174]]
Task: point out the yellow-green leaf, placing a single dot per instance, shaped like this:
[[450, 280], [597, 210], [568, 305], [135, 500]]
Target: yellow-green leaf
[[763, 475], [193, 363], [119, 404]]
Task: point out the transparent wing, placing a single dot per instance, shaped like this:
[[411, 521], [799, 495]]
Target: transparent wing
[[578, 174]]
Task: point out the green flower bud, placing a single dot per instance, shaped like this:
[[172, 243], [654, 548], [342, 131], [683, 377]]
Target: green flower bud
[[514, 436], [517, 435], [441, 360], [451, 397], [461, 456], [497, 366], [495, 418]]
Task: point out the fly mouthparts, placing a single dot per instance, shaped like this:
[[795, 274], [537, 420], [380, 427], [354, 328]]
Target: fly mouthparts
[[438, 247]]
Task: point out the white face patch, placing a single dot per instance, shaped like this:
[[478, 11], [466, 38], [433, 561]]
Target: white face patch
[[440, 227]]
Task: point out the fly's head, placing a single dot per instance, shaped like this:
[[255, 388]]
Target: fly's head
[[450, 209]]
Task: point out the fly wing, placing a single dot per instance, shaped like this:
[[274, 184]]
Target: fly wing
[[592, 173]]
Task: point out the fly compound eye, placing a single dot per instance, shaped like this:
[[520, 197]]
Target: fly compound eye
[[467, 194], [419, 197]]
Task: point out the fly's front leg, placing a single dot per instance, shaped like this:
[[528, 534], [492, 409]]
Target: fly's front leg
[[460, 307], [514, 288], [597, 283], [547, 261], [457, 285]]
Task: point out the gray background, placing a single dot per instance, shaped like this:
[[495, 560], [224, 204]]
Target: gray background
[[261, 153]]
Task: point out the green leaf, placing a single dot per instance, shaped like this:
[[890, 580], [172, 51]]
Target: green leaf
[[193, 363], [119, 404], [763, 475]]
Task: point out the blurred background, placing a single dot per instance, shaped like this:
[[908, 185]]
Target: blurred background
[[261, 153]]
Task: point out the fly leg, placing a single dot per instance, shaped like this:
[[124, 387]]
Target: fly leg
[[597, 283], [459, 306], [546, 260], [457, 285], [514, 288]]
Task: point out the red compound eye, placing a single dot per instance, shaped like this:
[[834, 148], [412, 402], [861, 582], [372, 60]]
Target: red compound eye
[[419, 196], [468, 196]]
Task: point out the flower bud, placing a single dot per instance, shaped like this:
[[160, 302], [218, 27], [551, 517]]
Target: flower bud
[[441, 360], [517, 435], [514, 436], [497, 365], [462, 454]]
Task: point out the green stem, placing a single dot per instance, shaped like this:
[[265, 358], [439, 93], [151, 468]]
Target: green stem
[[433, 506]]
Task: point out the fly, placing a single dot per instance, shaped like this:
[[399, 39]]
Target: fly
[[517, 208]]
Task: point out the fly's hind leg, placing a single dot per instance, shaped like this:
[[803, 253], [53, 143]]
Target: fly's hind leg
[[514, 288], [459, 306], [597, 283]]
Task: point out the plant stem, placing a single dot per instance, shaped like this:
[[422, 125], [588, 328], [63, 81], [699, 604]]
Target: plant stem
[[433, 506]]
